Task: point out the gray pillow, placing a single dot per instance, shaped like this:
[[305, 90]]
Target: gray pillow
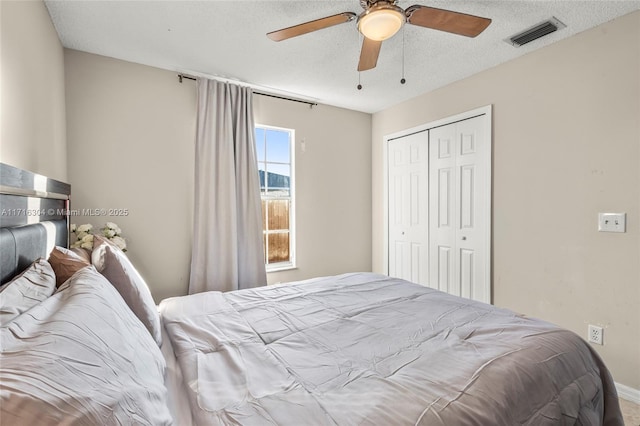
[[34, 285], [111, 262]]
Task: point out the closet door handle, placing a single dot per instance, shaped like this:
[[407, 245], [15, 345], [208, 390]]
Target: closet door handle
[[464, 238]]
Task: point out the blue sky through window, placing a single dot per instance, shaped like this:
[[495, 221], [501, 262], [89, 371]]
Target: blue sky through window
[[278, 146], [277, 150]]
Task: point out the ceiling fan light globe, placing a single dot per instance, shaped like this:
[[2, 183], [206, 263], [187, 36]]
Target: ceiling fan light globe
[[381, 22]]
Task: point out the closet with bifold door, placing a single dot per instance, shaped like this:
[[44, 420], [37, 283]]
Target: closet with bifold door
[[439, 205]]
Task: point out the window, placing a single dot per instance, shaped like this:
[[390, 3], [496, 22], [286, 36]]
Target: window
[[275, 166]]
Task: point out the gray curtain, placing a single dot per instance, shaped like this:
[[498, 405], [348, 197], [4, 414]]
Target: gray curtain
[[227, 239]]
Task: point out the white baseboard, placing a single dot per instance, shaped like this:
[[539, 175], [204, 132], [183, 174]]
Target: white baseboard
[[628, 393]]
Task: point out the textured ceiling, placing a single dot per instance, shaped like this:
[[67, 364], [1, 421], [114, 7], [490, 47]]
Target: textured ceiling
[[227, 39]]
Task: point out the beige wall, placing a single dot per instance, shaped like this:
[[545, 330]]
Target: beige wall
[[131, 145], [32, 114], [566, 146], [131, 130]]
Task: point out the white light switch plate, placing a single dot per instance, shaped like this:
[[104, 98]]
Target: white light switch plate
[[612, 222]]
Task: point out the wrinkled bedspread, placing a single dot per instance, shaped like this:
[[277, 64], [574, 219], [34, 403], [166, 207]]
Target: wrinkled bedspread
[[366, 349]]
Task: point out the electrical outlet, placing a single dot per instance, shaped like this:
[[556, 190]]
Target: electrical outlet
[[612, 222], [596, 334]]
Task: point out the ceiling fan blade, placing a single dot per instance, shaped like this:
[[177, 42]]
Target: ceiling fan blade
[[369, 54], [311, 26], [446, 20]]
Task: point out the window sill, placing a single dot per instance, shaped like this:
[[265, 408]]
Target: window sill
[[280, 268]]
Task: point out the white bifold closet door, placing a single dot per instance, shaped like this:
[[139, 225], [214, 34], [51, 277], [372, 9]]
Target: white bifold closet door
[[458, 205], [439, 208], [408, 168]]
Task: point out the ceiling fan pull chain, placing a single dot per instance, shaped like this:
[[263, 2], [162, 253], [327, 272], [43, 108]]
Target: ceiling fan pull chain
[[402, 80], [360, 38]]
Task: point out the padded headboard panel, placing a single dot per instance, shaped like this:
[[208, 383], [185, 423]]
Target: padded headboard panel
[[21, 245], [34, 218]]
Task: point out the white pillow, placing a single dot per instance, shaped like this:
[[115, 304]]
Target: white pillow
[[26, 290], [111, 262], [81, 357]]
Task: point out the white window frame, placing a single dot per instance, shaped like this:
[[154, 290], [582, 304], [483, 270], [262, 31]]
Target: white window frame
[[291, 264]]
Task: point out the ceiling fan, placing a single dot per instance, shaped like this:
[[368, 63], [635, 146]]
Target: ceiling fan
[[381, 19]]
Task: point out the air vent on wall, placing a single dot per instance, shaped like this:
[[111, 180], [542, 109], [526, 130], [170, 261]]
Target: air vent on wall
[[540, 30]]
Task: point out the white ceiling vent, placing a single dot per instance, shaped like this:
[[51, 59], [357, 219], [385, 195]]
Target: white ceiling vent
[[539, 30]]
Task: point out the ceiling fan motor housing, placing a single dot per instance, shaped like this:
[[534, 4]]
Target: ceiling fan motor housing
[[366, 4]]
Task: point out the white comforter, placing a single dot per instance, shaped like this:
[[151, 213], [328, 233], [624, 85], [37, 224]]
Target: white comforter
[[363, 349], [81, 357]]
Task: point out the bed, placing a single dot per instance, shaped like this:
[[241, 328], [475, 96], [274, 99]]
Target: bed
[[353, 349]]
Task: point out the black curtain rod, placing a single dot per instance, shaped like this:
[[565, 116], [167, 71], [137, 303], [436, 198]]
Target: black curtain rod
[[311, 104]]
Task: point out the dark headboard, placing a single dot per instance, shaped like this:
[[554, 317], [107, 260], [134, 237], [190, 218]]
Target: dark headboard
[[33, 218]]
